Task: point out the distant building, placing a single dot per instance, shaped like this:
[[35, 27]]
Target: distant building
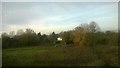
[[59, 39]]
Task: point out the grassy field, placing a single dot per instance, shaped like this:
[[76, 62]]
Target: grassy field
[[60, 56]]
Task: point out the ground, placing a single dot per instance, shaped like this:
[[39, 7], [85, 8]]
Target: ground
[[60, 56]]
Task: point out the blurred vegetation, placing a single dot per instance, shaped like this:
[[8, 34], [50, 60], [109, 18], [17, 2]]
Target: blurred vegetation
[[86, 45], [82, 35]]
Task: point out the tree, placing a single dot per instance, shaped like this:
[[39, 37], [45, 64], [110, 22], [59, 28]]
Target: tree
[[79, 38], [28, 38], [20, 32], [52, 38], [4, 34], [93, 27], [12, 34], [80, 34], [39, 34], [82, 28], [92, 35], [67, 38], [29, 31], [5, 40], [85, 34], [39, 40], [44, 39]]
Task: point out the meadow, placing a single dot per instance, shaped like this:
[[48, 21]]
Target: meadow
[[98, 55]]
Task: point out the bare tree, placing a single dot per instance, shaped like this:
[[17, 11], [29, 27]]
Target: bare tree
[[12, 34], [20, 32], [93, 27]]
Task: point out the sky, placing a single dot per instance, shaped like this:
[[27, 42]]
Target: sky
[[46, 17], [60, 0]]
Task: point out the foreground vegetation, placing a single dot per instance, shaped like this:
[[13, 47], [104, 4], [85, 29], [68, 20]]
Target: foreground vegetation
[[99, 55]]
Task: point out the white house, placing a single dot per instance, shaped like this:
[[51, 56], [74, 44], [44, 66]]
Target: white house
[[59, 39]]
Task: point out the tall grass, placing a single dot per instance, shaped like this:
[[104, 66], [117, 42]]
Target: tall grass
[[61, 56]]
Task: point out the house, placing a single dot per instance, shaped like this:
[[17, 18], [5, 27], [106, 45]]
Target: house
[[58, 41]]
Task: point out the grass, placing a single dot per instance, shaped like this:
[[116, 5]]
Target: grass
[[60, 56]]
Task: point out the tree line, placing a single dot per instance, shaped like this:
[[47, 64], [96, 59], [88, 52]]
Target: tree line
[[82, 35]]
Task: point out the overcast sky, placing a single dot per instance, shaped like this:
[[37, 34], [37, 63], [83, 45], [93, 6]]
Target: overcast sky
[[60, 0], [47, 17]]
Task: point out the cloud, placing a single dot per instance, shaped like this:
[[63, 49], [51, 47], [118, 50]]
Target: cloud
[[17, 13], [53, 16]]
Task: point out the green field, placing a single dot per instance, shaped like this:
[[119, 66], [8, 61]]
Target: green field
[[60, 56]]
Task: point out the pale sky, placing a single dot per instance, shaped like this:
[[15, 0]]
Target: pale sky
[[46, 17], [60, 0]]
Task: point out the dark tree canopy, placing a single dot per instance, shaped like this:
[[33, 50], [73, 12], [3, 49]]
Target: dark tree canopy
[[82, 35]]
